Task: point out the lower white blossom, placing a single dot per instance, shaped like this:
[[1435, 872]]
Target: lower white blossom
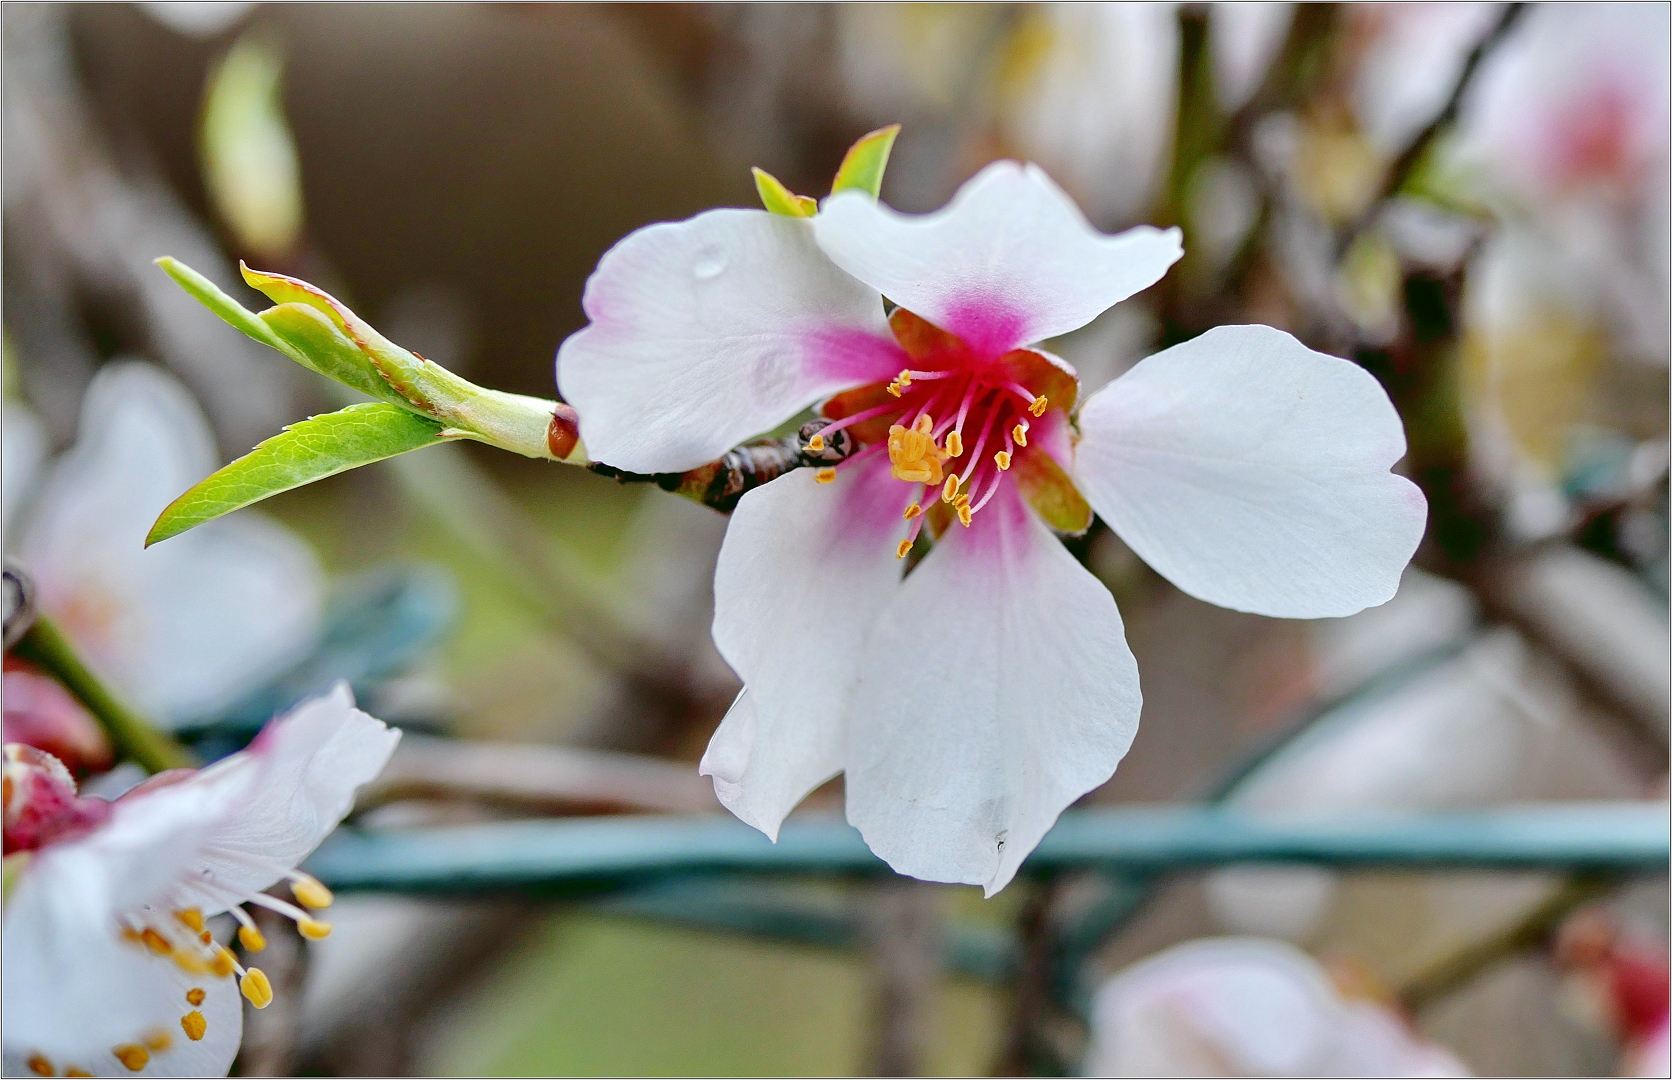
[[971, 699], [1247, 1007], [108, 968]]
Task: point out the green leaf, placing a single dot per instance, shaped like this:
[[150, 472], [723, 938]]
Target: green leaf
[[315, 341], [781, 200], [318, 447], [250, 167], [863, 166], [210, 296]]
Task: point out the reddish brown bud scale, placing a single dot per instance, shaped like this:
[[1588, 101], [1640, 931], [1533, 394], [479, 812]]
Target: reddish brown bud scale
[[563, 434]]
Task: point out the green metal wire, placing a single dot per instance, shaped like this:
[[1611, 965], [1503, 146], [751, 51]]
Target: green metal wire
[[581, 856]]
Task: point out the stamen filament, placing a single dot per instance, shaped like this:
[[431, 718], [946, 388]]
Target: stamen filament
[[847, 421]]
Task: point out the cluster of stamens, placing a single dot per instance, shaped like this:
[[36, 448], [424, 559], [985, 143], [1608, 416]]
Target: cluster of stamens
[[182, 936], [938, 411]]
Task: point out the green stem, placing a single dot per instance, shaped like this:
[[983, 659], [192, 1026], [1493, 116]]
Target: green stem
[[132, 735]]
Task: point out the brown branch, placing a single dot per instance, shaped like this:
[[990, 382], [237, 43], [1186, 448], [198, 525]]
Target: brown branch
[[542, 779]]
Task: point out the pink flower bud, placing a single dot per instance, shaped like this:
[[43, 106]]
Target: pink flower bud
[[41, 805], [39, 712]]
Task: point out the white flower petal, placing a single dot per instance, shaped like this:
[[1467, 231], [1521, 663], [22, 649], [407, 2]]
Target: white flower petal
[[996, 689], [222, 1010], [23, 447], [1009, 261], [284, 796], [709, 331], [804, 570], [195, 621], [1246, 1007], [1252, 473], [70, 988]]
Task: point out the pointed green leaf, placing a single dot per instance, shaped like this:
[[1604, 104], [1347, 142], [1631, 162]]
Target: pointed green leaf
[[209, 294], [316, 343], [318, 447], [781, 200], [863, 166]]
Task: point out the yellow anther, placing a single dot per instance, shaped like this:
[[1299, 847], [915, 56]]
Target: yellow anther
[[950, 491], [912, 511], [825, 476], [195, 996], [815, 444], [40, 1066], [73, 1071], [894, 388], [913, 453], [221, 965], [1002, 460], [1040, 404], [904, 378], [964, 513], [954, 444], [313, 929], [254, 985], [900, 552], [206, 937], [308, 889], [251, 939], [192, 917], [158, 1040], [155, 942], [1020, 434], [194, 1025], [132, 1055], [192, 962]]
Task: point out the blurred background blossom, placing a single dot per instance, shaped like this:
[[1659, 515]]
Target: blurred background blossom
[[1474, 201]]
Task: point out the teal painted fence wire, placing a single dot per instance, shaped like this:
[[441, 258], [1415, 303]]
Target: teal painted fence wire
[[576, 856]]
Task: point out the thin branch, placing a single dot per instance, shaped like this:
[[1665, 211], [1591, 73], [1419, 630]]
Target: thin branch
[[544, 779], [1533, 931], [1405, 165], [133, 736]]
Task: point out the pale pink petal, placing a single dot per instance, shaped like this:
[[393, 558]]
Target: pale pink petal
[[709, 331], [283, 796], [803, 573], [996, 689], [1009, 261], [1252, 472]]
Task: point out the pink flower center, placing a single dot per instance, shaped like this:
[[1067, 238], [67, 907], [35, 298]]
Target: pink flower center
[[952, 422]]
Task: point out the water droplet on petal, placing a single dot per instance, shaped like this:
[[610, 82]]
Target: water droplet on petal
[[709, 263]]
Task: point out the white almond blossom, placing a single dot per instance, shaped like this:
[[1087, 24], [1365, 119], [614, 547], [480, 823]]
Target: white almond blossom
[[1247, 1007], [187, 626], [971, 700], [108, 968]]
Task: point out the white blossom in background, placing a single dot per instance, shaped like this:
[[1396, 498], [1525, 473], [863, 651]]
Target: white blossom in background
[[1247, 1007], [1244, 38], [108, 968], [1413, 56], [186, 626], [1568, 129], [971, 700], [1093, 97]]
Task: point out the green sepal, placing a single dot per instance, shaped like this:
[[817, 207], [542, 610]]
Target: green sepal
[[16, 863], [1050, 491], [311, 450], [779, 199], [865, 162]]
